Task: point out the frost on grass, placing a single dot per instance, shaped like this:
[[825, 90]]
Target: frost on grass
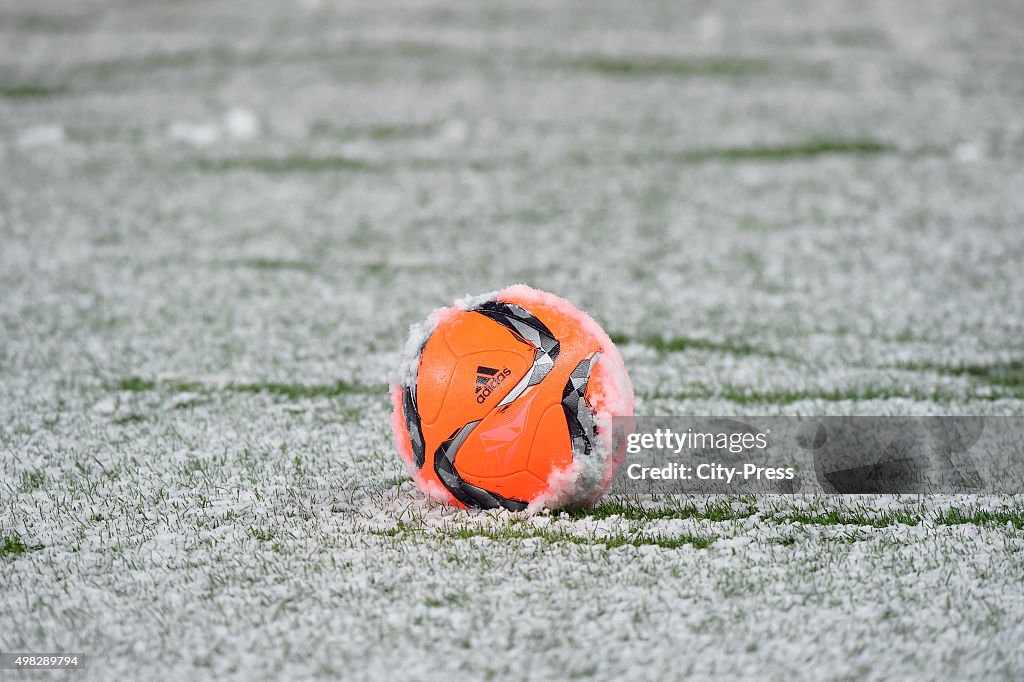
[[730, 215]]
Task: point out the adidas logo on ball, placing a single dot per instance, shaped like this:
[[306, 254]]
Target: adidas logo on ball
[[487, 380]]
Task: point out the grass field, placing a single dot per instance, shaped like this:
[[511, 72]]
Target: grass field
[[218, 220]]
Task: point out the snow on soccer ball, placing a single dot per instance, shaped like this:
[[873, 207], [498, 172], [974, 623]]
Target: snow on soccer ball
[[506, 400]]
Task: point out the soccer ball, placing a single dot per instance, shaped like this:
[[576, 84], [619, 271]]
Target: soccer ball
[[506, 400]]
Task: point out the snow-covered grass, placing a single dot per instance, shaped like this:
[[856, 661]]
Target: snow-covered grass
[[218, 220]]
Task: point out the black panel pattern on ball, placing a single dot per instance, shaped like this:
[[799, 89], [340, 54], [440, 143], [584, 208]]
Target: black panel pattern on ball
[[529, 329], [467, 493], [578, 415], [412, 413], [412, 425]]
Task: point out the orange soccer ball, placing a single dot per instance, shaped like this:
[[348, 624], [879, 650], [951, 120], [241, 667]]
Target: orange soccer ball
[[507, 399]]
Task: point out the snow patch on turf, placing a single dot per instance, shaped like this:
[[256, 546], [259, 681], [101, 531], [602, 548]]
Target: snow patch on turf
[[195, 134], [236, 123], [42, 135], [241, 124]]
